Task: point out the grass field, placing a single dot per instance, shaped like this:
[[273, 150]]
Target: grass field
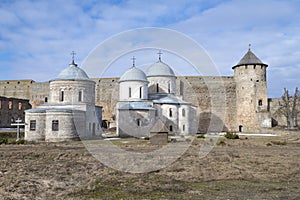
[[252, 168]]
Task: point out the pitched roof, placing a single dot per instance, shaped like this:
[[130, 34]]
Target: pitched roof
[[250, 59]]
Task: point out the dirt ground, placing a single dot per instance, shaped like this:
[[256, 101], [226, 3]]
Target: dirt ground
[[252, 168]]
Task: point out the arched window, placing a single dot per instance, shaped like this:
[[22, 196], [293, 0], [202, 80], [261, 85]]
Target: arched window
[[129, 92], [141, 90], [80, 96], [169, 87], [61, 95], [10, 105], [170, 112], [259, 102], [183, 112], [138, 122], [157, 88], [20, 106], [171, 128], [183, 127], [46, 99]]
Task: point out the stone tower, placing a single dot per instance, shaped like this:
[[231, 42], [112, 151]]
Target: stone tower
[[251, 92]]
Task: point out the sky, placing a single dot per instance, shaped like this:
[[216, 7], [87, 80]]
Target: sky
[[37, 37]]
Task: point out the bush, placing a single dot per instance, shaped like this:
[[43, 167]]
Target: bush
[[20, 142], [221, 142], [201, 136], [146, 138], [279, 142], [229, 135], [3, 140]]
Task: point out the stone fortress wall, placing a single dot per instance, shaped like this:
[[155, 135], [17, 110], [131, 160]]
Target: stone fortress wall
[[214, 96]]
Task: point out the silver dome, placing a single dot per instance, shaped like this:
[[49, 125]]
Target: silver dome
[[134, 74], [160, 69], [72, 73]]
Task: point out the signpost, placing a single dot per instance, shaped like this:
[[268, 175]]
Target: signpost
[[18, 124]]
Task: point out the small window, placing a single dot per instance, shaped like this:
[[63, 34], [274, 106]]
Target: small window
[[141, 90], [55, 125], [170, 112], [171, 128], [138, 122], [10, 105], [129, 92], [183, 112], [157, 88], [183, 127], [61, 97], [46, 99], [32, 125], [169, 87], [80, 96], [20, 105], [260, 102]]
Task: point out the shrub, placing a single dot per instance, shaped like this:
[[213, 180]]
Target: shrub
[[200, 136], [278, 142], [146, 138], [221, 142], [3, 140], [229, 135], [20, 142]]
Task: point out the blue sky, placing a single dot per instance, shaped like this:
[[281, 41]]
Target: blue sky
[[36, 37]]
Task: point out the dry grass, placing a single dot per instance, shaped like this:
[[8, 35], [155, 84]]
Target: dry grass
[[238, 169]]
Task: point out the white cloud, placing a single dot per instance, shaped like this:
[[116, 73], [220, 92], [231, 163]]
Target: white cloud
[[36, 37]]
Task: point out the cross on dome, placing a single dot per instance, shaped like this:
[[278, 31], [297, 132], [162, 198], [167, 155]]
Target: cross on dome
[[73, 56], [159, 55], [133, 61]]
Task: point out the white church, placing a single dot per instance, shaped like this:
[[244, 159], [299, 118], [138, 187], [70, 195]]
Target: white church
[[145, 100], [70, 113], [148, 99]]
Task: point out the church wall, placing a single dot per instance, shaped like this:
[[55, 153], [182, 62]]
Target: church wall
[[165, 85], [71, 91], [134, 90], [39, 133], [66, 126]]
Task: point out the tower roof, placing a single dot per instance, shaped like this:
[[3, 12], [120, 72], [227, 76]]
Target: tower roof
[[249, 59]]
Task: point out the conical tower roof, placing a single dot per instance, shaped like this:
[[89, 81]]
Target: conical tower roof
[[249, 59]]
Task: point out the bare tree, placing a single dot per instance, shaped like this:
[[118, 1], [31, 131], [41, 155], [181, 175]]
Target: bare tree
[[289, 107]]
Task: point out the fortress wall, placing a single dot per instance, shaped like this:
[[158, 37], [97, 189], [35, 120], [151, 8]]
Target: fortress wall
[[107, 96], [16, 88], [215, 98], [39, 92], [277, 117], [201, 91]]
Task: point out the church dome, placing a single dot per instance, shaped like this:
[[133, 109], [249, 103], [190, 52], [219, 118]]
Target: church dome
[[72, 73], [160, 69], [134, 74]]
